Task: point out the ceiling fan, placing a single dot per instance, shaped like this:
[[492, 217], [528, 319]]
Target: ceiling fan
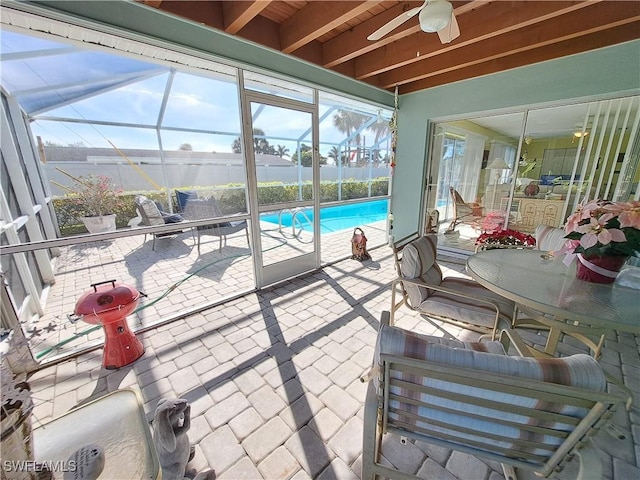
[[434, 16]]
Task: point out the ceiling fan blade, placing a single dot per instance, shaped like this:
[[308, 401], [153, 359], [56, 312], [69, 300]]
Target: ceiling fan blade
[[393, 24], [450, 32]]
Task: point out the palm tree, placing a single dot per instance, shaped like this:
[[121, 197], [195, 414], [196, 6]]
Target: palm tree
[[281, 151], [335, 154], [380, 131], [349, 122], [260, 144]]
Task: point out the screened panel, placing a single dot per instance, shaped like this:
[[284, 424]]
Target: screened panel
[[134, 100], [67, 77], [201, 166], [355, 146], [202, 103]]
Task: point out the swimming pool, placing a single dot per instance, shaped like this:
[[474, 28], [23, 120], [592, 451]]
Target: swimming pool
[[336, 218]]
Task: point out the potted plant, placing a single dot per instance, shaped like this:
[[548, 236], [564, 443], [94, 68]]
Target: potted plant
[[98, 199], [603, 235]]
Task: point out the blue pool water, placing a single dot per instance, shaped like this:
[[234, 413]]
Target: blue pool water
[[336, 218]]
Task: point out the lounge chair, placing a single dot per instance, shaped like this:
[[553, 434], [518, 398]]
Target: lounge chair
[[199, 209], [470, 213], [151, 216]]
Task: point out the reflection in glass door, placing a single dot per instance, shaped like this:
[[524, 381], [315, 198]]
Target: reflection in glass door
[[283, 170], [451, 166]]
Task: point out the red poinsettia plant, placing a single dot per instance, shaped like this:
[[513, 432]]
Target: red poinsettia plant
[[603, 228], [506, 238]]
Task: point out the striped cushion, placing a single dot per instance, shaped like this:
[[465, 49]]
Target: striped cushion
[[577, 370], [419, 256], [396, 341]]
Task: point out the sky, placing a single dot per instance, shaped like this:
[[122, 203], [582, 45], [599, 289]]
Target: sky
[[205, 102]]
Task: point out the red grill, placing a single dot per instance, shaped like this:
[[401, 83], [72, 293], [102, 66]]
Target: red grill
[[109, 305]]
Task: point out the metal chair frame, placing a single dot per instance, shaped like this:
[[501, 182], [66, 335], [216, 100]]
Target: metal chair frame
[[522, 453], [208, 208]]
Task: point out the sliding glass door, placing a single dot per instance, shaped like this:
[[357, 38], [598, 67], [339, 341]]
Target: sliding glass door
[[523, 169]]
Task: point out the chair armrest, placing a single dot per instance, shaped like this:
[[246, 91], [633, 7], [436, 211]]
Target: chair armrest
[[511, 338], [626, 391]]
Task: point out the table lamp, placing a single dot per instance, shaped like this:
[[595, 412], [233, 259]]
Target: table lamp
[[497, 165]]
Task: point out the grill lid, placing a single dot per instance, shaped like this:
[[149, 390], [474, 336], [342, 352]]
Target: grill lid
[[105, 298]]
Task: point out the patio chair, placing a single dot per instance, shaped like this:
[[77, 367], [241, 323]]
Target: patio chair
[[470, 213], [199, 209], [151, 215], [548, 238], [460, 301], [518, 411]]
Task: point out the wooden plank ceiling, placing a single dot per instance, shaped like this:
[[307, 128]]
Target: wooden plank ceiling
[[495, 35]]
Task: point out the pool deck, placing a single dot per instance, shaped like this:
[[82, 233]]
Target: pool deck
[[273, 380], [175, 278]]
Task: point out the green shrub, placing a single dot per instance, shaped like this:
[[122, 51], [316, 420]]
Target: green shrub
[[231, 199]]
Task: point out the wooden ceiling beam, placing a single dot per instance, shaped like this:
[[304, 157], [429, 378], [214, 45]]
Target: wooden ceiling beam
[[620, 34], [481, 24], [263, 31], [596, 18], [151, 3], [238, 14], [353, 42], [316, 19]]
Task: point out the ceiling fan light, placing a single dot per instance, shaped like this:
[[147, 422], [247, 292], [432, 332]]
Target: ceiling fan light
[[435, 16]]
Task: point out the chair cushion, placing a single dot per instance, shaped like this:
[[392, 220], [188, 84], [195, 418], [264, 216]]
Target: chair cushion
[[405, 343], [549, 238], [224, 228], [183, 197], [419, 256], [419, 262], [466, 309], [579, 370], [396, 341]]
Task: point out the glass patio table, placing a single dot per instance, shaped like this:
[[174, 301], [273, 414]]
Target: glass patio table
[[544, 284]]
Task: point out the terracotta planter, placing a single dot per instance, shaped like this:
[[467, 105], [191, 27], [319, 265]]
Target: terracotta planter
[[599, 269], [105, 223]]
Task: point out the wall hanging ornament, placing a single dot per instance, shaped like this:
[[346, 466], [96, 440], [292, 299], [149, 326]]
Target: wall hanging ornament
[[393, 125]]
